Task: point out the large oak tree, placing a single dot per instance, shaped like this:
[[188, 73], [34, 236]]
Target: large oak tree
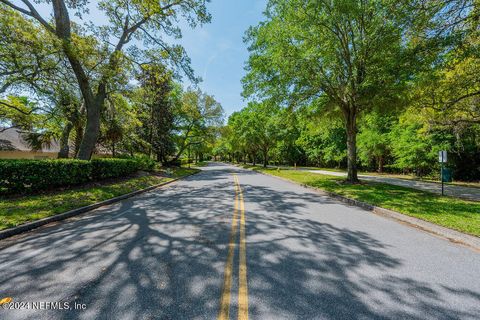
[[148, 22], [347, 55]]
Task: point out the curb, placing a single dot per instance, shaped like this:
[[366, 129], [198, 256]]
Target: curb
[[75, 212], [443, 232]]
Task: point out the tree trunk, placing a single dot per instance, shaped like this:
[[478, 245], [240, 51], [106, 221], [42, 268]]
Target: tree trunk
[[380, 164], [265, 159], [351, 126], [352, 157], [92, 130], [93, 104], [78, 137], [64, 147], [150, 140]]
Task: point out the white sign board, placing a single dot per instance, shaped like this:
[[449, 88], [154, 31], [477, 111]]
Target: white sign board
[[442, 156]]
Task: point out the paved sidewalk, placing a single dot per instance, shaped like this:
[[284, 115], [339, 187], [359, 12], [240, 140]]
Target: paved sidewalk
[[450, 190]]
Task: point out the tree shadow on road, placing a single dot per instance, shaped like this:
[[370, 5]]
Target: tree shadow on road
[[162, 256]]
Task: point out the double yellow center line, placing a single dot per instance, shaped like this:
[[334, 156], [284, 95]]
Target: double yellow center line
[[242, 268]]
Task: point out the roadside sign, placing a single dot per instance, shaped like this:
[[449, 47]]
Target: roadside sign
[[442, 156], [446, 175]]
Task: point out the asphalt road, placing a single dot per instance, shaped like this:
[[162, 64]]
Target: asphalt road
[[163, 255]]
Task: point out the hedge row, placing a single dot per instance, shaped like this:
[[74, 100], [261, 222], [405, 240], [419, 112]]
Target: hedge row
[[25, 176]]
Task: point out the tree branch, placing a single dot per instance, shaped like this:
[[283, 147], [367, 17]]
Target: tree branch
[[32, 12], [18, 109]]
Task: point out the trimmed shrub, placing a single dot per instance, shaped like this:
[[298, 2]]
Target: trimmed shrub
[[111, 167], [21, 176], [26, 176], [146, 163]]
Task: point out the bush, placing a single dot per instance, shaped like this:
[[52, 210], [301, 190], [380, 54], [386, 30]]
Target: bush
[[26, 176], [19, 176], [146, 163], [111, 168]]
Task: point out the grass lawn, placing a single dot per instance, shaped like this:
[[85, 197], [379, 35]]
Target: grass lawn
[[18, 210], [461, 215], [472, 184]]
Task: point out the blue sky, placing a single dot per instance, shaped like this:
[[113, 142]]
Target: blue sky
[[217, 50]]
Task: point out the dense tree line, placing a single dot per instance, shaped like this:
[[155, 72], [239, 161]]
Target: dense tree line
[[112, 87], [379, 84]]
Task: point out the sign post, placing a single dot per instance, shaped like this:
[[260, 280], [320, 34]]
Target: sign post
[[442, 158]]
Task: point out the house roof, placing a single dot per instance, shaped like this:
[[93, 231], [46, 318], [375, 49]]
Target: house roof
[[12, 139]]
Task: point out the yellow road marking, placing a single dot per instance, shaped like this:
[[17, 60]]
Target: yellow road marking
[[242, 288], [227, 280], [242, 267]]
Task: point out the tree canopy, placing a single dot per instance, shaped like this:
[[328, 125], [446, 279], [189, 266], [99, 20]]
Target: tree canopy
[[348, 55], [378, 84]]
